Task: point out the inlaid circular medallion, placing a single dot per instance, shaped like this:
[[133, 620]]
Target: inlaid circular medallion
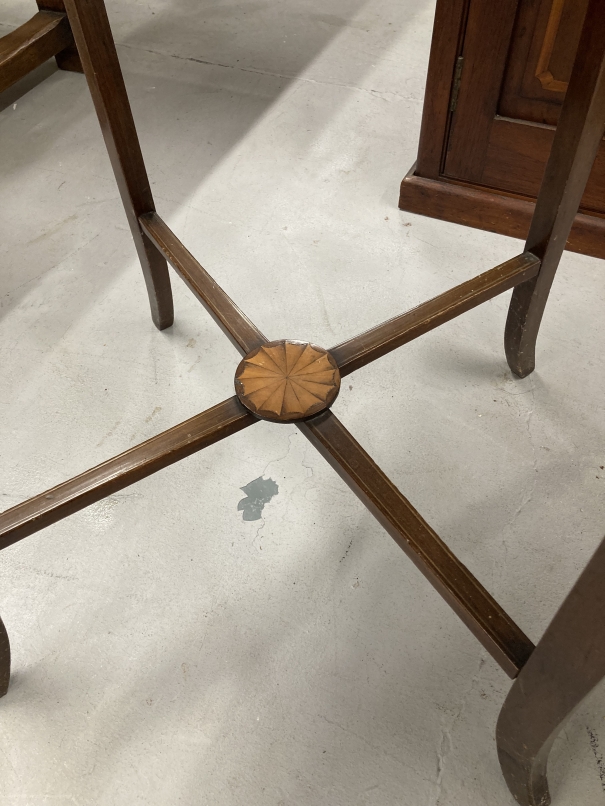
[[287, 380]]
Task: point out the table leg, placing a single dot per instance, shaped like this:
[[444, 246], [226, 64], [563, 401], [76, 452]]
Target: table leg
[[5, 659], [577, 140], [68, 58], [566, 665], [90, 27]]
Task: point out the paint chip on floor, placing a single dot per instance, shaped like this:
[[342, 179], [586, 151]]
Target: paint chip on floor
[[258, 493]]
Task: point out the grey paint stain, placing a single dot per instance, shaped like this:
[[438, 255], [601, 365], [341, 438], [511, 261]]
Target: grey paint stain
[[258, 493]]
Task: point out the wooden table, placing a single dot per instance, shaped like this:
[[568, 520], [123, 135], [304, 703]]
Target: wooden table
[[297, 382]]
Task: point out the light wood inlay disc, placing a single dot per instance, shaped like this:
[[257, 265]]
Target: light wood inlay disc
[[287, 380]]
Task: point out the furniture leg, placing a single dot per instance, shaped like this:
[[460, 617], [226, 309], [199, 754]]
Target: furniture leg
[[94, 41], [577, 139], [5, 659], [566, 665], [240, 331], [68, 58]]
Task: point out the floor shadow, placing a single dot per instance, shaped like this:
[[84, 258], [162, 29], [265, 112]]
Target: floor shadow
[[249, 53], [26, 84]]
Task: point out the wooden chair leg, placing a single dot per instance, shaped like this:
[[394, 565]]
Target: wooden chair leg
[[68, 58], [92, 34], [566, 665], [577, 139], [5, 659]]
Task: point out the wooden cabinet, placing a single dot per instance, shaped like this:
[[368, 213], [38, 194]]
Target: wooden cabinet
[[497, 77]]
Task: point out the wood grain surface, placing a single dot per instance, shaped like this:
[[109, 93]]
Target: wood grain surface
[[27, 47], [287, 380]]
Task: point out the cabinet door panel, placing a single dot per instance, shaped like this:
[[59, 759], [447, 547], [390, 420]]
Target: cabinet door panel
[[516, 158], [486, 42], [517, 62], [543, 46]]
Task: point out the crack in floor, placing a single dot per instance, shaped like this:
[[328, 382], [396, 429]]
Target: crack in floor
[[285, 76], [446, 744]]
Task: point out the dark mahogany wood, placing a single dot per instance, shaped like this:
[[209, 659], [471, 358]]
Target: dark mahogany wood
[[481, 159], [27, 47], [494, 211], [5, 660], [542, 50], [486, 36], [133, 465], [446, 45], [380, 340], [568, 662], [570, 658], [235, 325], [577, 140], [94, 41], [505, 214], [488, 622], [68, 58], [517, 172]]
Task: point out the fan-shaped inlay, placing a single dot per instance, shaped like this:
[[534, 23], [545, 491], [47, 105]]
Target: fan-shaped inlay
[[287, 380]]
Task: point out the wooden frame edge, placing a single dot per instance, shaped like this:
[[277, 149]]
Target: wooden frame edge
[[485, 209]]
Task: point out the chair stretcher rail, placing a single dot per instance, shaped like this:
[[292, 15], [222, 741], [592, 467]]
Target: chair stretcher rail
[[27, 47], [488, 622], [244, 335], [133, 465], [380, 340]]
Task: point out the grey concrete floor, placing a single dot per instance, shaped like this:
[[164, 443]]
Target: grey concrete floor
[[165, 650]]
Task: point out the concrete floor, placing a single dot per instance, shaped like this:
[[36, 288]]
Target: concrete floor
[[166, 651]]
